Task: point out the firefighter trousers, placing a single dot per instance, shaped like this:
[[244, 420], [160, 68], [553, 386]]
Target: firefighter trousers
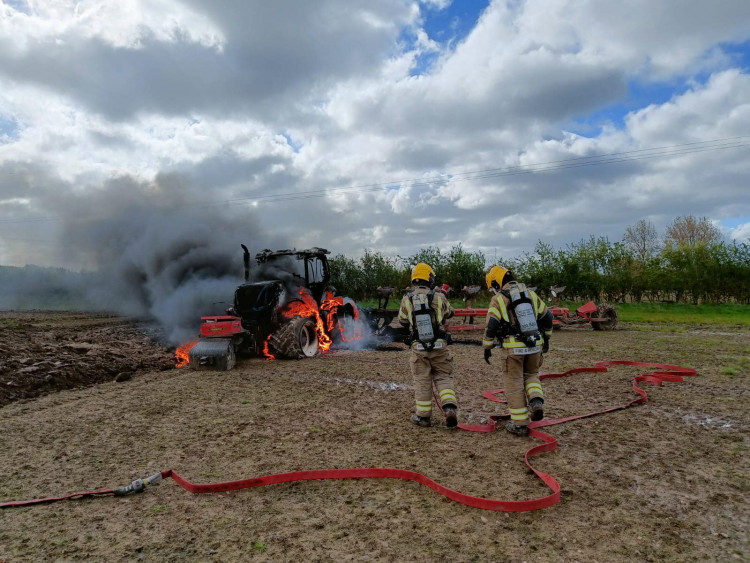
[[521, 384], [426, 367]]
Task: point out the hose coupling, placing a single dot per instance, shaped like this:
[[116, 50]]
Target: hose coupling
[[138, 485]]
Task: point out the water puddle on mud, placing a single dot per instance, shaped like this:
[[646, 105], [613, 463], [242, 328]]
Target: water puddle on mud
[[701, 419], [380, 385]]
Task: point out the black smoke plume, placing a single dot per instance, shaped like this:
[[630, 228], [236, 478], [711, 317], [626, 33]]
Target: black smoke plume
[[152, 252]]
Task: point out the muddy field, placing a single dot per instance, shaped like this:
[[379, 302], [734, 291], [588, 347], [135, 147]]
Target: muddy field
[[663, 481], [42, 352]]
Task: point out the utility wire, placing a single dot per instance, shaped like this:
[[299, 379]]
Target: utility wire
[[686, 148], [549, 166]]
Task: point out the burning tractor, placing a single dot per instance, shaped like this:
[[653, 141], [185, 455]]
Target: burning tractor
[[295, 314]]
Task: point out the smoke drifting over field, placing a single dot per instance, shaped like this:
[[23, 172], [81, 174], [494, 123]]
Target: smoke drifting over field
[[153, 255], [170, 264], [173, 266], [149, 253]]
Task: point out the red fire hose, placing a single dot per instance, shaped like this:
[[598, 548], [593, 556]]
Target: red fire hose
[[662, 373]]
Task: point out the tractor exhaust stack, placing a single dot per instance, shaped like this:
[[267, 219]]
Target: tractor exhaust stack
[[246, 260]]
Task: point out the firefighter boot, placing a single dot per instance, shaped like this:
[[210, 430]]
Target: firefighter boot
[[536, 407], [421, 420], [451, 417], [517, 430]]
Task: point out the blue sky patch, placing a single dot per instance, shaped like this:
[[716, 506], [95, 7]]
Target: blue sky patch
[[423, 63], [642, 94], [8, 128], [18, 5], [734, 222], [739, 53], [446, 27], [289, 141], [454, 23]]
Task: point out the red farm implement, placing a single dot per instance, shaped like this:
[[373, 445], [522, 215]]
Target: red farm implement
[[468, 315], [600, 317]]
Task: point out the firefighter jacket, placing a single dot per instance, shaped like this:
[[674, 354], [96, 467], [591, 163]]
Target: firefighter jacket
[[439, 304], [502, 325]]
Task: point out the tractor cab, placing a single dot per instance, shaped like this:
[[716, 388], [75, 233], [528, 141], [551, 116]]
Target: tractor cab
[[314, 271]]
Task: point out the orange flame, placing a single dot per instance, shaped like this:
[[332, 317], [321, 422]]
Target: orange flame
[[308, 308], [266, 352], [330, 304], [182, 354]]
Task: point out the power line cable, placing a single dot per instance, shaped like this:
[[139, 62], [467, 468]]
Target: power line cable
[[513, 171], [549, 166], [493, 172]]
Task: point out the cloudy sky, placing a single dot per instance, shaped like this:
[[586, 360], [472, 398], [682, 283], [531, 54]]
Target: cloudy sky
[[392, 125]]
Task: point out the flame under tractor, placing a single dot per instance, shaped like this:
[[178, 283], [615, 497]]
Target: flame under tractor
[[294, 317]]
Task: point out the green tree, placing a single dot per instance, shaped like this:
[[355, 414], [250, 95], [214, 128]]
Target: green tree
[[430, 255], [462, 268], [380, 271], [346, 276]]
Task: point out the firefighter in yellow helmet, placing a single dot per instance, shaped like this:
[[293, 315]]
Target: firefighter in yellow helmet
[[520, 320], [422, 314]]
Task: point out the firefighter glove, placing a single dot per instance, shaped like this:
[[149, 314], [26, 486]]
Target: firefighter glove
[[545, 346], [487, 355], [404, 334]]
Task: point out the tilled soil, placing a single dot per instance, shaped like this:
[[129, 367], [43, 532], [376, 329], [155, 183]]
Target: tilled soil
[[662, 481], [45, 352]]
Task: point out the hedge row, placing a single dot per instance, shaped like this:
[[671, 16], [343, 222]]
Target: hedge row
[[592, 269]]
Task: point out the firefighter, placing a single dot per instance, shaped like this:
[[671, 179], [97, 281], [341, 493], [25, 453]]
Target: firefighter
[[421, 315], [520, 320]]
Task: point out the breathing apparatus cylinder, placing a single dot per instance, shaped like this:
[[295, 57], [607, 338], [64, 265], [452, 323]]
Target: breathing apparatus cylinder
[[423, 318], [523, 310]]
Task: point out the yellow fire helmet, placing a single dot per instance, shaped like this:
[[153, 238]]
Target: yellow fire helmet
[[424, 273], [496, 275]]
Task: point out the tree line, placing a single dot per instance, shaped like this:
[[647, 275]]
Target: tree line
[[360, 278], [690, 264]]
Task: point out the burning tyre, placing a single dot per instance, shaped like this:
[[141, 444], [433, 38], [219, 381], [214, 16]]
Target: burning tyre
[[296, 339], [343, 321]]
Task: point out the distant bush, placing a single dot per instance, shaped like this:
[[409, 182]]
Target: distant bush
[[717, 272], [361, 278]]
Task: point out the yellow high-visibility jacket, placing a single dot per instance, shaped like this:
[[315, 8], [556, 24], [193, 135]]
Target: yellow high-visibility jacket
[[441, 306], [499, 322]]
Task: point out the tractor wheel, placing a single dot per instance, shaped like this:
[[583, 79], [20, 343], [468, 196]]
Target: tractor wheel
[[606, 311], [296, 339]]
